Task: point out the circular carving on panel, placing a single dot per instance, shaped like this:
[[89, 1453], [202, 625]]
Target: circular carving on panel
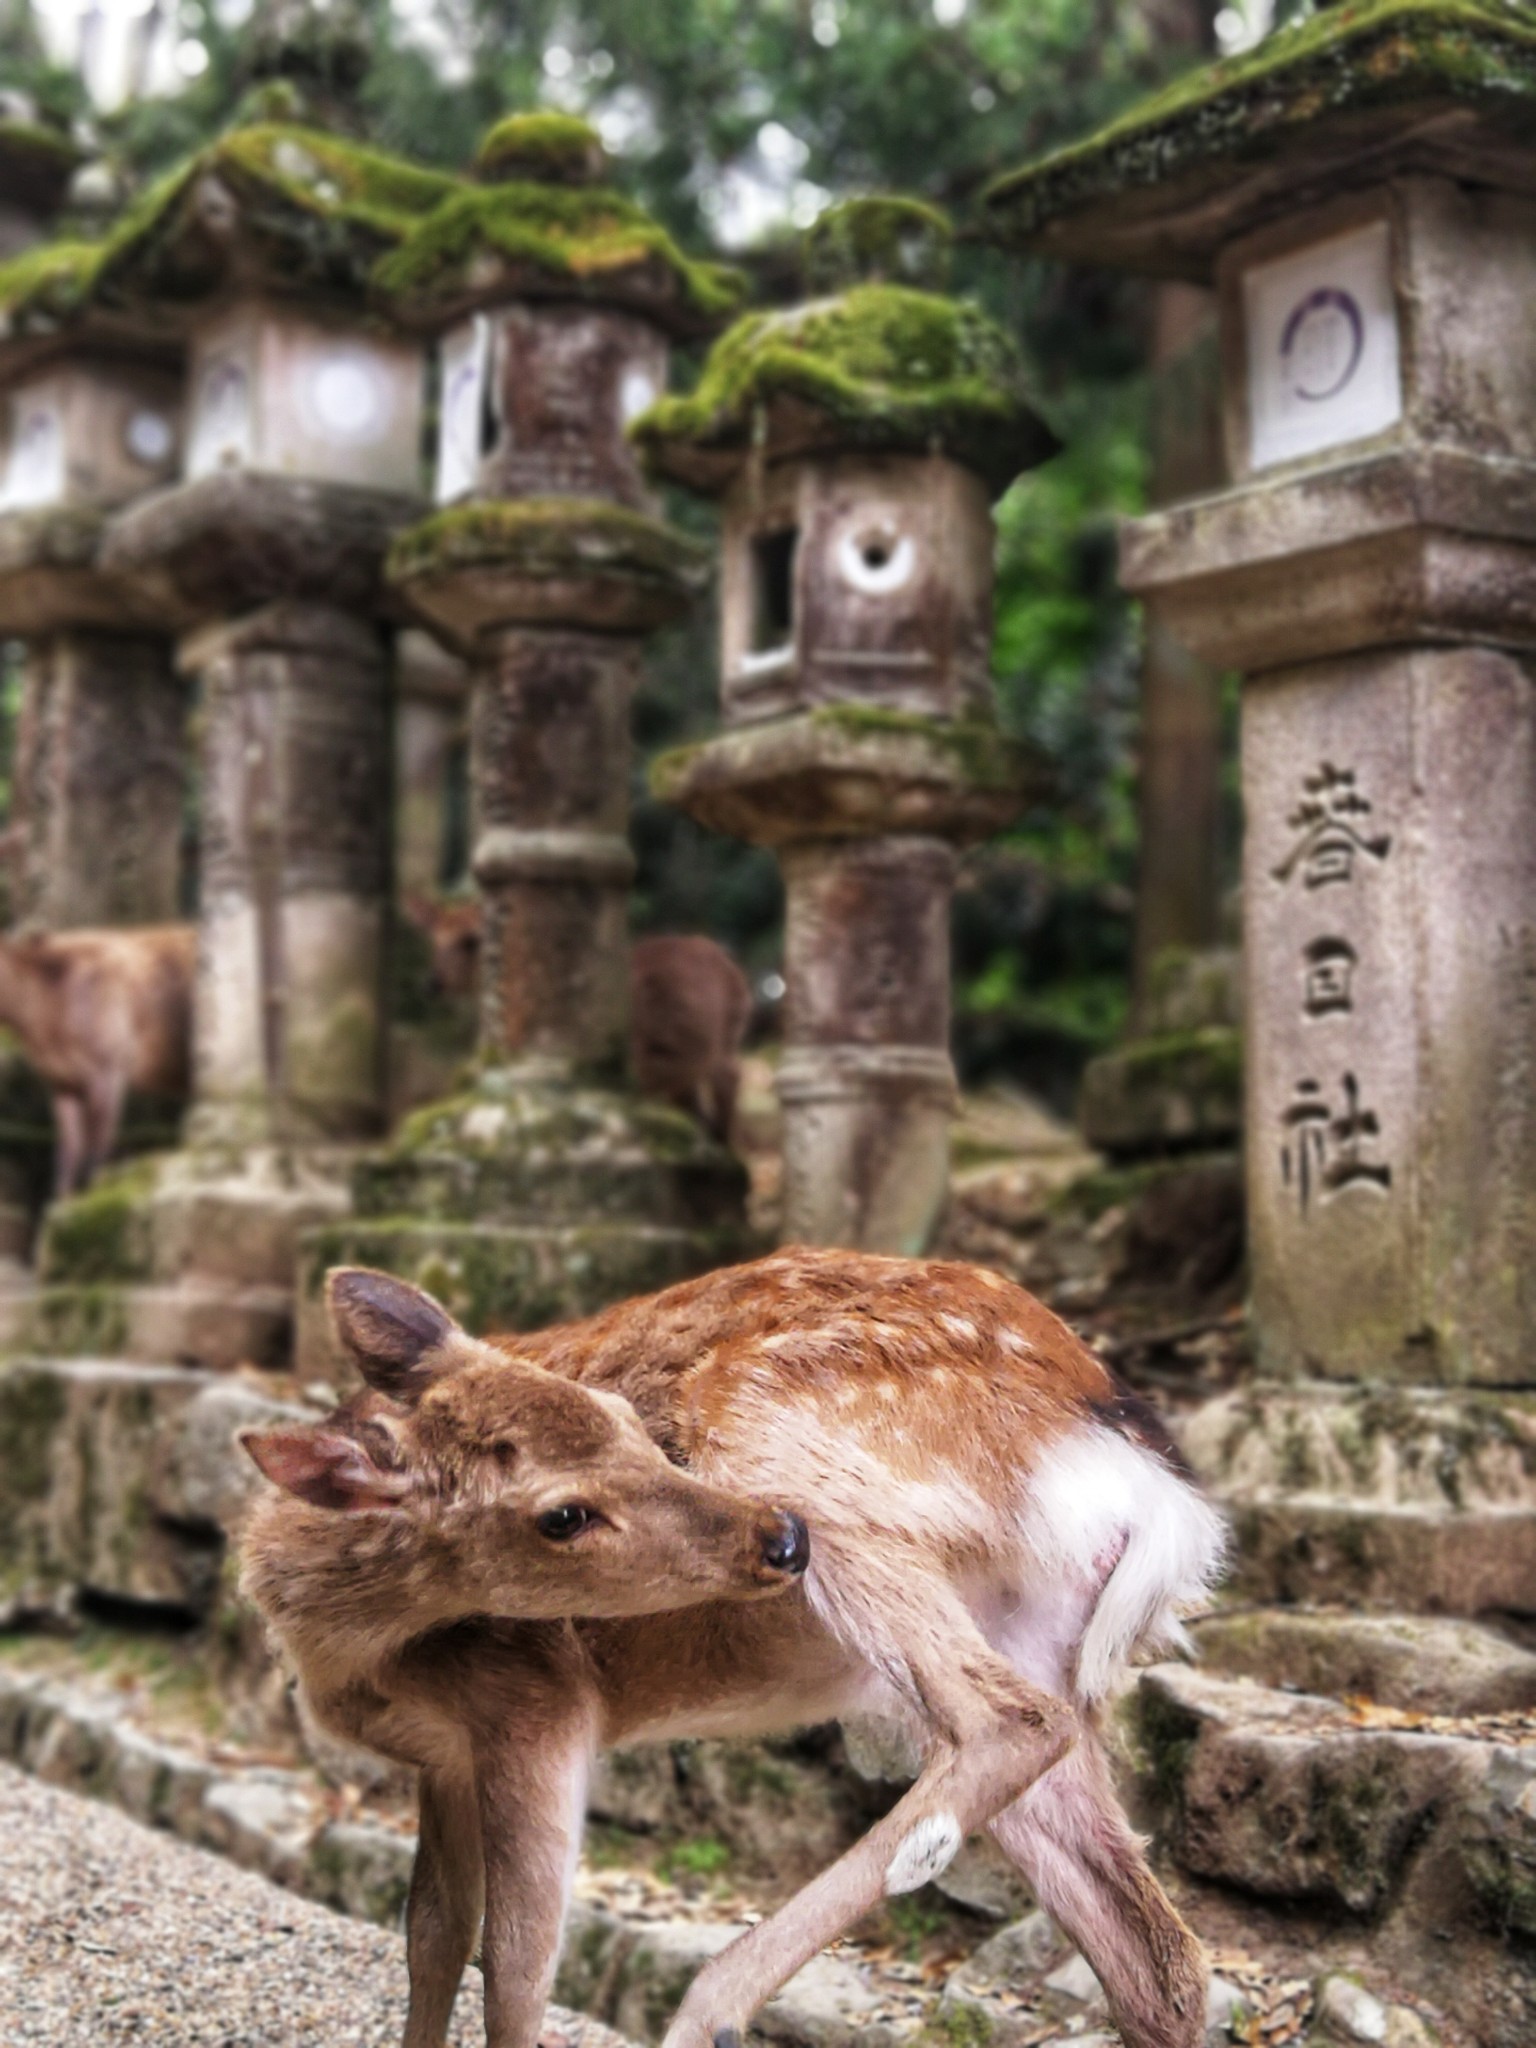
[[1322, 342], [148, 436], [876, 557], [348, 395]]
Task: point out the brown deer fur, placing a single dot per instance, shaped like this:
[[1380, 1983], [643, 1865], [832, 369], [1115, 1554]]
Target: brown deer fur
[[98, 1013], [994, 1525], [689, 1004]]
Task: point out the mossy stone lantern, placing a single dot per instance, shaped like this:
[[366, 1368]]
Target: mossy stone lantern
[[90, 419], [300, 456], [545, 1188], [1361, 190], [856, 442]]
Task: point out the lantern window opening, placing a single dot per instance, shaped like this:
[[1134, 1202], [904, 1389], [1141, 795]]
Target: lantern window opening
[[773, 594]]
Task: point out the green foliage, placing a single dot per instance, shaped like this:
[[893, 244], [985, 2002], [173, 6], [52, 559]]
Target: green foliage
[[701, 1856]]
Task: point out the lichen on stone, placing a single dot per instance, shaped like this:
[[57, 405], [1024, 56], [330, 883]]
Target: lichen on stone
[[880, 367], [1340, 60], [548, 538], [524, 236], [560, 149], [878, 238]]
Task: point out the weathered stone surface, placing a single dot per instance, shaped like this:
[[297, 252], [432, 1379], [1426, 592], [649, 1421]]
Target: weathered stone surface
[[1421, 1664], [1181, 1090], [1412, 1499], [52, 581], [119, 1479], [98, 781]]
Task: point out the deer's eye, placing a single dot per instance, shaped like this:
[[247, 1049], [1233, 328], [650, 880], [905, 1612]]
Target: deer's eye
[[560, 1524]]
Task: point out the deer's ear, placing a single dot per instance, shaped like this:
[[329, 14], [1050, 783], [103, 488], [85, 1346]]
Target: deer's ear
[[325, 1468], [395, 1335]]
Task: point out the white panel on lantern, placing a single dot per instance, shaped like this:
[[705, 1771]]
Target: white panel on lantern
[[221, 415], [465, 359], [34, 451], [1323, 364]]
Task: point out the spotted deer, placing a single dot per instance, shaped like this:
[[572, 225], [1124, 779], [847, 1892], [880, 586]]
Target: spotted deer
[[503, 1556], [98, 1013]]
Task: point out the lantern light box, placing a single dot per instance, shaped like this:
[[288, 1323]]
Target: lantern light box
[[89, 431], [279, 393]]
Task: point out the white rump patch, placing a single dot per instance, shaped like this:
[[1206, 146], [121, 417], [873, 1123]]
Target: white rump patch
[[931, 1846]]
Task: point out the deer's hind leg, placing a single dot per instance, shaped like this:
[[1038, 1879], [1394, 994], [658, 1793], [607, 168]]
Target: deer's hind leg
[[1068, 1835], [446, 1901], [991, 1734]]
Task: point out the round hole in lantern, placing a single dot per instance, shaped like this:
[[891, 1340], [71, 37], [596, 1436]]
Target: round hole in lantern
[[875, 558], [347, 397], [148, 437], [637, 390]]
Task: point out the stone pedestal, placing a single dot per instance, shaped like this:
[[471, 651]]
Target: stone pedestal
[[431, 704], [865, 809]]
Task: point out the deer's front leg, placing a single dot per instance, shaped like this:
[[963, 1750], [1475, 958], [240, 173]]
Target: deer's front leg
[[447, 1896], [993, 1734], [532, 1781]]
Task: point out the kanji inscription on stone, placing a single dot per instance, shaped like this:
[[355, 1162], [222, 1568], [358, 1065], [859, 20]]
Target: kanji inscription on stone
[[1323, 1152], [1333, 829]]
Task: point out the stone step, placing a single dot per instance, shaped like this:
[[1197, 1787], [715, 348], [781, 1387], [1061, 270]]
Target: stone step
[[120, 1479], [1418, 1831], [1417, 1662], [197, 1321], [1416, 1499]]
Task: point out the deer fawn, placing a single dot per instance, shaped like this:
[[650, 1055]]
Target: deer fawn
[[505, 1555]]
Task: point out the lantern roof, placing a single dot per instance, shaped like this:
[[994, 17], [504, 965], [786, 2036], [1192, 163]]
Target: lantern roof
[[540, 223], [37, 161], [880, 368], [1359, 91]]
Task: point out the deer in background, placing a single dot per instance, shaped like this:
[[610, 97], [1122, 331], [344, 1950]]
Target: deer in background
[[97, 1013], [482, 1565], [689, 1005]]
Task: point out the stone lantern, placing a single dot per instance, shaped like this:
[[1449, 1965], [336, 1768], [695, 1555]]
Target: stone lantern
[[545, 1188], [90, 419], [1360, 190], [856, 443], [37, 161], [301, 454], [1371, 572]]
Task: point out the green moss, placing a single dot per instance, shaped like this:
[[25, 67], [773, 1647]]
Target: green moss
[[959, 2025], [100, 1235], [32, 1406], [315, 208], [880, 368], [488, 242], [560, 149], [879, 239], [1341, 60], [38, 143], [46, 285], [549, 538]]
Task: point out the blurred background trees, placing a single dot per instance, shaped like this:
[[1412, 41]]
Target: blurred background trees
[[736, 120]]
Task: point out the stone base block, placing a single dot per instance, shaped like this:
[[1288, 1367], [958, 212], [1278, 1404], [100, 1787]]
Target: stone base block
[[525, 1144], [1418, 1663], [1178, 1091], [1410, 1830], [1420, 1499], [187, 1257], [504, 1276], [119, 1479]]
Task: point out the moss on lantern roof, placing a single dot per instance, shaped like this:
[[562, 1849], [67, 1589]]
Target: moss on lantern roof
[[43, 287], [561, 149], [879, 238], [314, 209], [1354, 59], [547, 538], [881, 367], [39, 142], [590, 242]]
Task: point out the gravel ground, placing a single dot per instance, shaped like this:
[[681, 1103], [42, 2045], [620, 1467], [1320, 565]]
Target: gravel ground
[[111, 1934]]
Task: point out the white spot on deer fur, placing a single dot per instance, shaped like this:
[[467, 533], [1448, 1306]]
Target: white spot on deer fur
[[933, 1844], [886, 1391], [961, 1327]]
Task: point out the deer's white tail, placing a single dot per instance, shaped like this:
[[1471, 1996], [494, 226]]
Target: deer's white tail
[[1108, 1512]]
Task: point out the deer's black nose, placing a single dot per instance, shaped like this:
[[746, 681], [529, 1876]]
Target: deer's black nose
[[787, 1547]]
